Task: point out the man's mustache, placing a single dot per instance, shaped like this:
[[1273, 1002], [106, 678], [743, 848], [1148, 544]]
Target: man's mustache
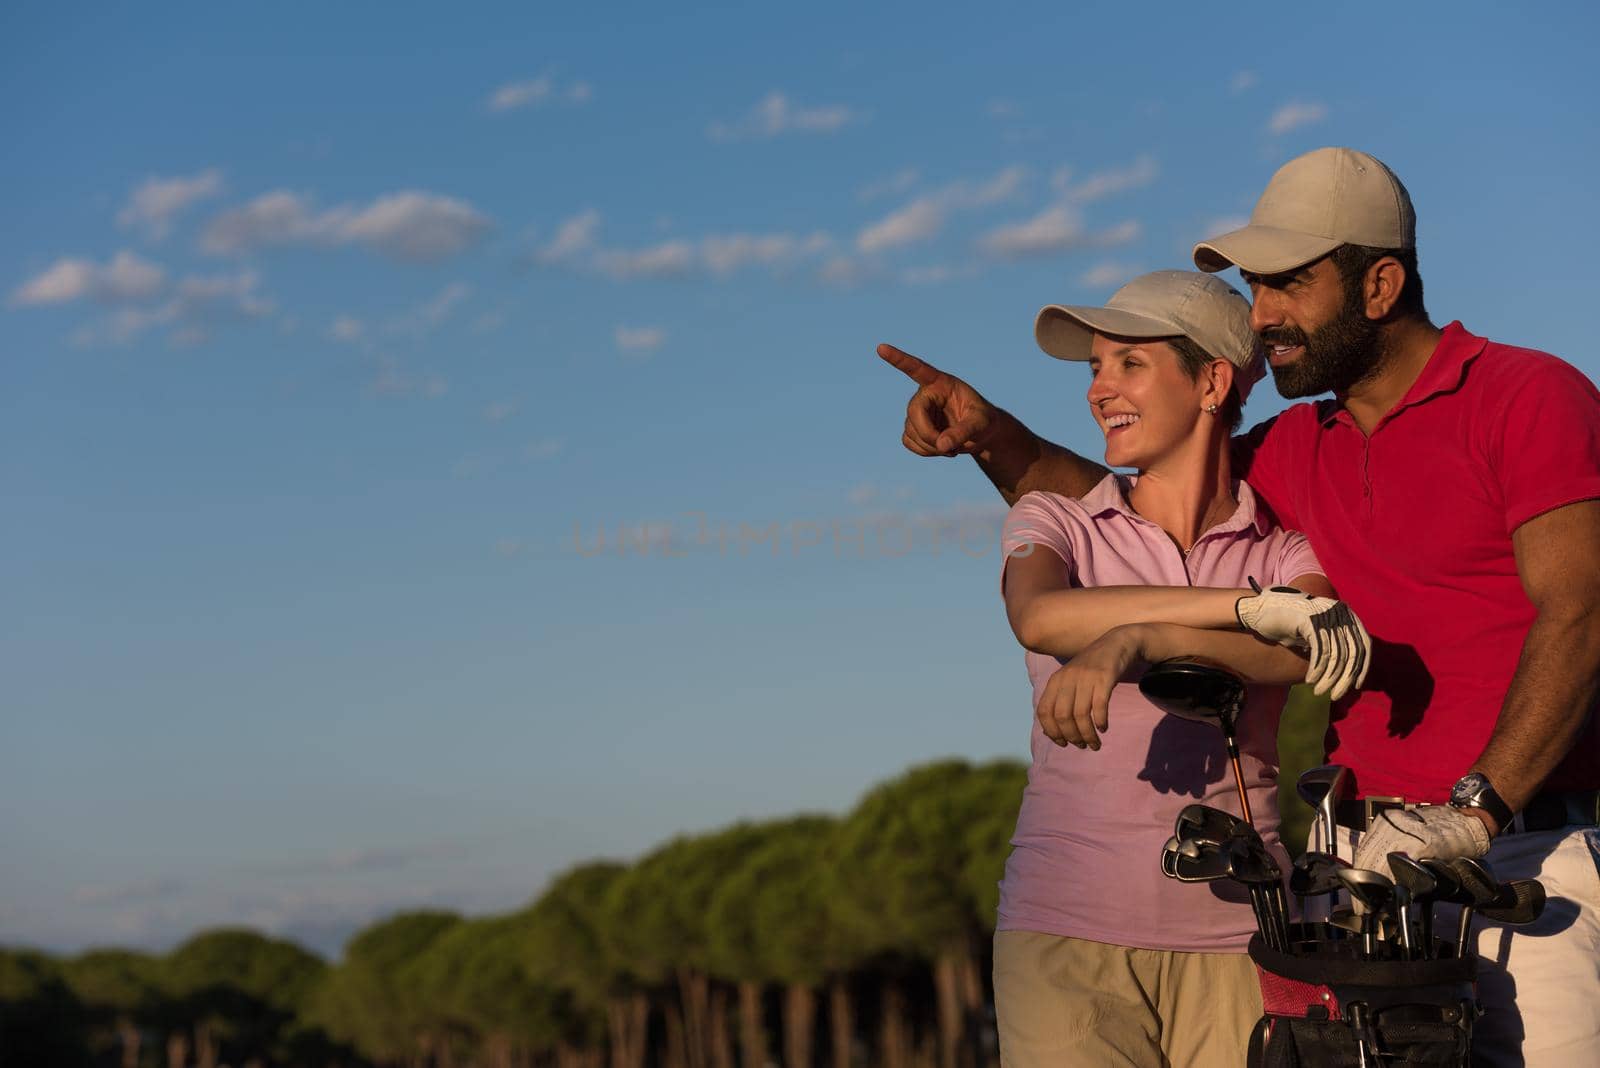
[[1283, 335]]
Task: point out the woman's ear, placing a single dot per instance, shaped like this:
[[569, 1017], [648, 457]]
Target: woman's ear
[[1218, 378]]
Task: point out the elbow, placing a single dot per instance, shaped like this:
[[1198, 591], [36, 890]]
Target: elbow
[[1028, 626]]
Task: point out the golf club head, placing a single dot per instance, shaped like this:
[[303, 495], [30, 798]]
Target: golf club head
[[1374, 891], [1193, 689], [1321, 788], [1449, 888], [1416, 877], [1210, 823], [1316, 874], [1479, 887], [1200, 862], [1249, 861], [1518, 902], [1170, 852]]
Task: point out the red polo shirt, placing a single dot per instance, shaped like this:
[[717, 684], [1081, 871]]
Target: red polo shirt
[[1413, 527]]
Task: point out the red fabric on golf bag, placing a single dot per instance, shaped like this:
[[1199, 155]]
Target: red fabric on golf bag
[[1323, 1003]]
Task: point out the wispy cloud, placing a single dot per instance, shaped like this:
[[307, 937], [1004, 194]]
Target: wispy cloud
[[575, 245], [776, 114], [499, 411], [640, 339], [1294, 115], [392, 380], [409, 226], [154, 205], [198, 306], [924, 217], [1056, 229], [347, 328], [125, 277], [1102, 184], [892, 186], [123, 894], [1108, 275], [534, 92], [1241, 81], [543, 449]]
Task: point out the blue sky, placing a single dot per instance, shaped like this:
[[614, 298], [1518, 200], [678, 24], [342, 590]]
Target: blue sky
[[336, 337]]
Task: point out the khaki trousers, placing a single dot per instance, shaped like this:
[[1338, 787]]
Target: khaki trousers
[[1068, 1002]]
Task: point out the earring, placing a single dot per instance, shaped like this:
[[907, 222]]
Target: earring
[[1211, 409]]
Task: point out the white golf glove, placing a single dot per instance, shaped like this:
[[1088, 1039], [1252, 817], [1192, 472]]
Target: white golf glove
[[1339, 645], [1435, 832]]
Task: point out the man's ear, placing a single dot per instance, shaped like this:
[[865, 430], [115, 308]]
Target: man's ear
[[1381, 288]]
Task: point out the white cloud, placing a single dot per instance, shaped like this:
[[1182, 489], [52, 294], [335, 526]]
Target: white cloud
[[499, 411], [1108, 275], [199, 305], [347, 328], [894, 185], [125, 277], [863, 494], [1055, 229], [1004, 109], [924, 217], [391, 379], [409, 225], [724, 253], [1242, 80], [1106, 183], [663, 260], [155, 204], [543, 449], [535, 92], [640, 338], [436, 310], [917, 221], [573, 237], [1295, 114], [775, 115], [1225, 225]]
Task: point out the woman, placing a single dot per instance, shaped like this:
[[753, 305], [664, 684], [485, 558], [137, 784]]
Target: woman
[[1099, 960]]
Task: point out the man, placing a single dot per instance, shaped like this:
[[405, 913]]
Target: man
[[1452, 491]]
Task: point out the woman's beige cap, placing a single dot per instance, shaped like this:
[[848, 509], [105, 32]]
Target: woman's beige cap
[[1200, 307], [1314, 204]]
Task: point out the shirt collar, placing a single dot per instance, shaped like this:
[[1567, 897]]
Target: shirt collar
[[1111, 495], [1442, 373]]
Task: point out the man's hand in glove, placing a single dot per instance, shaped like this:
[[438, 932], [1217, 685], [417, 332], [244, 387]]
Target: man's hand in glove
[[1339, 646], [1437, 832]]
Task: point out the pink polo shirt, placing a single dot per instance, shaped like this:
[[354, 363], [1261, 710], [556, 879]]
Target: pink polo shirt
[[1085, 861]]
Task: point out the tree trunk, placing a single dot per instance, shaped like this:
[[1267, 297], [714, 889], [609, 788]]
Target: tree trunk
[[497, 1050], [841, 1021], [128, 1034], [629, 1022], [720, 1038], [752, 1035], [695, 990], [205, 1047], [675, 1055], [893, 1038], [973, 1002], [177, 1050], [947, 986], [799, 1023]]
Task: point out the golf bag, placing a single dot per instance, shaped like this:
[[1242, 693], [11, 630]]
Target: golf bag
[[1325, 1008]]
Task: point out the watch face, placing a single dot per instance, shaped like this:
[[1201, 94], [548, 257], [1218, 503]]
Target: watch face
[[1467, 788]]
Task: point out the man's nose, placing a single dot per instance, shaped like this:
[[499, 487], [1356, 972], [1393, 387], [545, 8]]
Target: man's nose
[[1265, 311]]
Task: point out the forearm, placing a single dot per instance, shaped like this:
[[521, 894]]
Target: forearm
[[1256, 659], [1018, 461], [1547, 705], [1064, 622]]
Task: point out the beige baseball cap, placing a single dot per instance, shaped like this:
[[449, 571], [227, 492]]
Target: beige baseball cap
[[1314, 204], [1200, 307]]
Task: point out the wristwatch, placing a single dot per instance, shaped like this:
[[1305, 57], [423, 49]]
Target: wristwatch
[[1472, 790]]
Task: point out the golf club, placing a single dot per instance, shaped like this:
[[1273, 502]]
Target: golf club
[[1321, 788], [1191, 689], [1374, 892]]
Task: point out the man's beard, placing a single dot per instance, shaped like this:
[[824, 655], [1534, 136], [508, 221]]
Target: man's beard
[[1336, 355]]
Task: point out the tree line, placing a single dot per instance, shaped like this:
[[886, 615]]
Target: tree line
[[808, 942]]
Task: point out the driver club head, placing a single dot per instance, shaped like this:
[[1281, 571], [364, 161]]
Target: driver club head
[[1195, 690], [1521, 901]]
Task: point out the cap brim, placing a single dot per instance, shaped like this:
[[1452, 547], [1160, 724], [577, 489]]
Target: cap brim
[[1067, 332], [1262, 250]]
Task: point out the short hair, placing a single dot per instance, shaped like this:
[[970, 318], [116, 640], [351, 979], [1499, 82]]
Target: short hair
[[1353, 261], [1193, 359]]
